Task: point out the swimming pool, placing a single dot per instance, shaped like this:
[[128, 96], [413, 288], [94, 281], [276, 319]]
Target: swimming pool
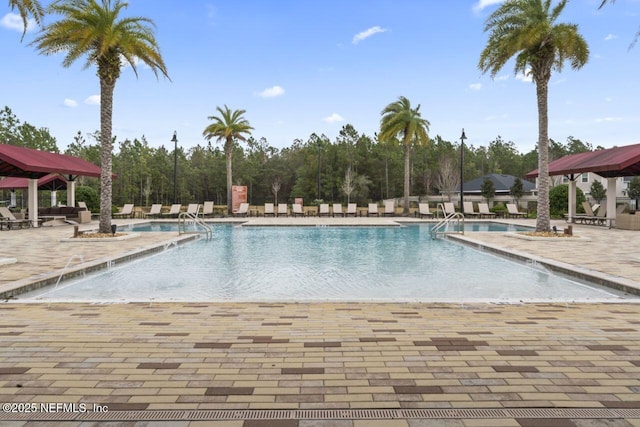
[[324, 264]]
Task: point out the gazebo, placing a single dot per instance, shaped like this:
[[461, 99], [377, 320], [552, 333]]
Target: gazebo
[[609, 163], [21, 162], [51, 182]]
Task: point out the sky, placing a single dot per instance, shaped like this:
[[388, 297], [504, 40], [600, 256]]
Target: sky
[[305, 66]]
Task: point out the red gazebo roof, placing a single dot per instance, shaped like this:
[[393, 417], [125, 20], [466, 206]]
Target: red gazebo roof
[[48, 182], [29, 163], [608, 163]]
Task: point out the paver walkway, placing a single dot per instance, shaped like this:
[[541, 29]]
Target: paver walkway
[[323, 364]]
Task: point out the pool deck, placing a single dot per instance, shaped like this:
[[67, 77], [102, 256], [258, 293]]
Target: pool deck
[[322, 364]]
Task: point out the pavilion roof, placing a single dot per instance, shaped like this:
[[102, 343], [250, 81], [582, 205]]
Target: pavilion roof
[[47, 182], [29, 163], [609, 163]]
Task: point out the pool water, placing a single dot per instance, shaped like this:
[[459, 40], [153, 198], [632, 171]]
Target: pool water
[[324, 264]]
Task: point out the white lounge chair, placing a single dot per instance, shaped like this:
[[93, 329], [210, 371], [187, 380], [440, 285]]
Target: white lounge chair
[[389, 208], [469, 210], [423, 210], [125, 212], [337, 209], [483, 211], [448, 208], [297, 210], [268, 209], [513, 212], [156, 209], [352, 209], [207, 209], [324, 209], [8, 219], [174, 211], [373, 209], [243, 210], [193, 209], [283, 209]]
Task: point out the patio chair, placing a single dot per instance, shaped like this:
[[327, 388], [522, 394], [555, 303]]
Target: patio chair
[[389, 208], [513, 212], [423, 210], [483, 211], [601, 215], [373, 209], [154, 212], [352, 209], [83, 205], [8, 219], [469, 210], [283, 209], [125, 212], [337, 209], [297, 210], [243, 210], [268, 209], [324, 209], [448, 208], [174, 211], [193, 209], [207, 209]]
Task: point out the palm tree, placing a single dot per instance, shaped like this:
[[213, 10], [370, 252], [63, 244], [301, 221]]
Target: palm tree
[[27, 8], [527, 29], [227, 127], [398, 118], [93, 28]]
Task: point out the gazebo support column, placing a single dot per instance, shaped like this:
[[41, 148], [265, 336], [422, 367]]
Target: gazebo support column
[[572, 198], [71, 192], [611, 200], [32, 205]]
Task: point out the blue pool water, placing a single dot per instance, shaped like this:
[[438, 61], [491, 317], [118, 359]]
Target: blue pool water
[[327, 263]]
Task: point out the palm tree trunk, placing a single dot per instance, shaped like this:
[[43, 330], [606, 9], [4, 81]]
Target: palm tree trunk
[[544, 218], [228, 148], [106, 150], [407, 175]]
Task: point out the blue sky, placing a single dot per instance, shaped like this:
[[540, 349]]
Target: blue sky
[[304, 66]]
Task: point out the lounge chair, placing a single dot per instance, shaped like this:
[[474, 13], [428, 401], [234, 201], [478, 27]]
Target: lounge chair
[[8, 219], [513, 212], [243, 210], [337, 209], [283, 209], [193, 209], [323, 209], [483, 211], [448, 208], [156, 209], [352, 209], [601, 216], [268, 209], [373, 209], [174, 211], [469, 210], [207, 209], [587, 215], [423, 210], [297, 210], [125, 212], [83, 205], [389, 208]]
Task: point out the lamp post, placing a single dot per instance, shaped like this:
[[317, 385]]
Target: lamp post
[[462, 138], [175, 166], [319, 147]]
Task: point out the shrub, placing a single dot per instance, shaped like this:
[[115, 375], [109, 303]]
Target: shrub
[[90, 196], [559, 200]]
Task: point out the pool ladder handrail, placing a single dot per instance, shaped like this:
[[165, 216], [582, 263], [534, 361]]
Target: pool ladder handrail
[[444, 222], [193, 218]]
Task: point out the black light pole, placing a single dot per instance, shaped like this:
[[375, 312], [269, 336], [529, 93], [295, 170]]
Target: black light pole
[[175, 166], [462, 138], [319, 147]]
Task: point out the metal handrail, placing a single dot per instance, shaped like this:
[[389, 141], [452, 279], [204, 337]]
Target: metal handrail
[[187, 216], [448, 217]]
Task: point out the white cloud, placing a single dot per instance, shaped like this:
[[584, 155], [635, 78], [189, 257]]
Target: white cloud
[[271, 92], [609, 119], [13, 21], [71, 103], [525, 77], [334, 118], [93, 100], [502, 78], [610, 37], [500, 117], [485, 3], [367, 33], [475, 86]]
